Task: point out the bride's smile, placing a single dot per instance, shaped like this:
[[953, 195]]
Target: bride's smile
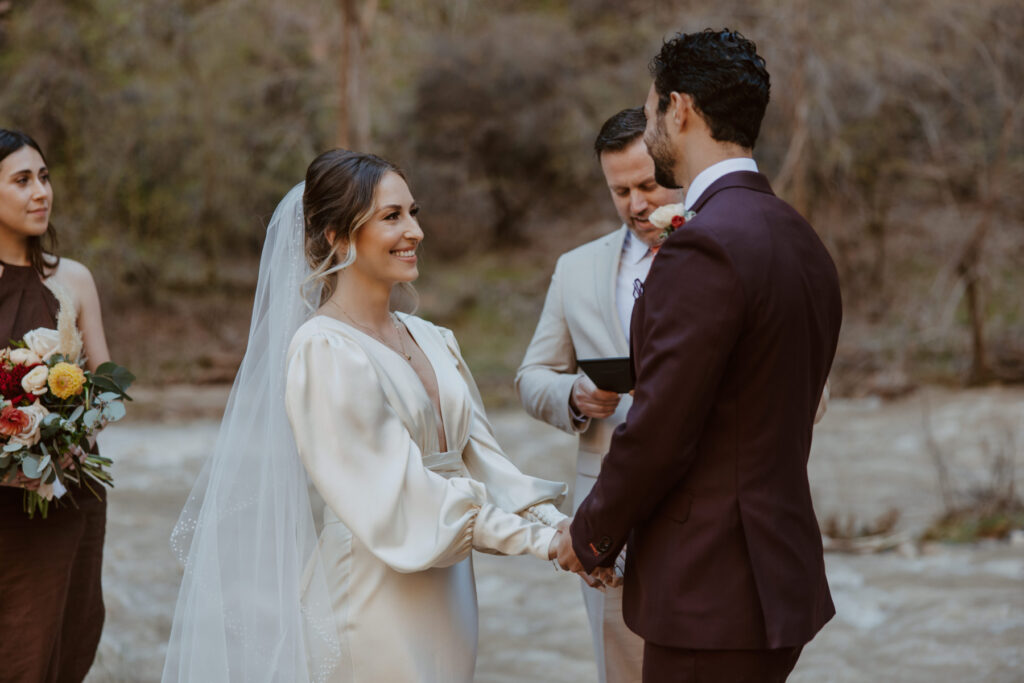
[[386, 244]]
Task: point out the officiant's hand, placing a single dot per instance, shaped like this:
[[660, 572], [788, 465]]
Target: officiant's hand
[[588, 400]]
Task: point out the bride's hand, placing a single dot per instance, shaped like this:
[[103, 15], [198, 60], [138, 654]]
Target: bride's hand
[[608, 577], [553, 546]]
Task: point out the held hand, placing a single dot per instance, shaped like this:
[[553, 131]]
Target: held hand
[[607, 576], [591, 401], [564, 552], [561, 547]]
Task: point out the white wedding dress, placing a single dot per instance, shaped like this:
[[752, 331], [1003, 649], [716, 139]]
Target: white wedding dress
[[401, 518]]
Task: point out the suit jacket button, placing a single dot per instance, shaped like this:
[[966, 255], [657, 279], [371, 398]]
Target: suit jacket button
[[604, 544]]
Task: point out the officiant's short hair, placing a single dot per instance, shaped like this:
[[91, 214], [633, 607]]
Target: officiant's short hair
[[620, 131], [723, 73]]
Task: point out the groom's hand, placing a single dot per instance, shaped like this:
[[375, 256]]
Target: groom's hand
[[600, 578], [590, 401]]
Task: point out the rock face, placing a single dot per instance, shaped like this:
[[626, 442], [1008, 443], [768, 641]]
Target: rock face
[[935, 613]]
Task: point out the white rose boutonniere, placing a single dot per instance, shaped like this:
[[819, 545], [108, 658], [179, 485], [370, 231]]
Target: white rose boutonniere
[[670, 217], [43, 342]]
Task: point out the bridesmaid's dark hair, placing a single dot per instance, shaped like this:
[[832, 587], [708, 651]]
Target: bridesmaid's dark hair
[[42, 249], [337, 201]]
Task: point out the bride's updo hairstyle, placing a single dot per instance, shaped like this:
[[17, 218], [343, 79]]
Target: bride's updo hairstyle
[[337, 201]]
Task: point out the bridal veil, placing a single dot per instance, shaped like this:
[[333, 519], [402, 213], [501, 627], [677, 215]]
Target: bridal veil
[[253, 604]]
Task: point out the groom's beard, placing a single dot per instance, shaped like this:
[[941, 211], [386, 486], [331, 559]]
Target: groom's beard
[[664, 157]]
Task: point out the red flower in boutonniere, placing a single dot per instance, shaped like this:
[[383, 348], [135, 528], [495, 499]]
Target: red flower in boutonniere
[[669, 218]]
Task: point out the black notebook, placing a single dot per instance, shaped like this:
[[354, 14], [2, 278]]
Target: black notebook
[[610, 374]]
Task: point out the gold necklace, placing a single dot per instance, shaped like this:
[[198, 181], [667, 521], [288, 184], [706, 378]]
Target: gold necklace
[[401, 342]]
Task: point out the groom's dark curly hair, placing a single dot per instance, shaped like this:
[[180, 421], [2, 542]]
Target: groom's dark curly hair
[[723, 73]]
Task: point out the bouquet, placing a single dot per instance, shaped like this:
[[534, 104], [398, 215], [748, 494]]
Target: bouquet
[[51, 409]]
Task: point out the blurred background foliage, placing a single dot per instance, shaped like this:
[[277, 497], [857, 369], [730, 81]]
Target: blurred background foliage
[[173, 127]]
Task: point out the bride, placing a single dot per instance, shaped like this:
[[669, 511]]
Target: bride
[[379, 411]]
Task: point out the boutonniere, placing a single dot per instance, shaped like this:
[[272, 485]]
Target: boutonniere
[[670, 217]]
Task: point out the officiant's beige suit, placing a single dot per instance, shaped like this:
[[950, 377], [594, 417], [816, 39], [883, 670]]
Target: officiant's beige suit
[[580, 321]]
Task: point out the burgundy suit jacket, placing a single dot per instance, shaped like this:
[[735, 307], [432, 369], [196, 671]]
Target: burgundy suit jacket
[[732, 340]]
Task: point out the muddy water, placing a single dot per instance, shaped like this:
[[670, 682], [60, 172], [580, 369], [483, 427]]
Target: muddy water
[[942, 613]]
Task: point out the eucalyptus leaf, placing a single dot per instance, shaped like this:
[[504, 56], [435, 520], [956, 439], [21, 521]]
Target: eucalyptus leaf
[[108, 396], [11, 447], [114, 411], [44, 462], [30, 467], [50, 425], [92, 418], [77, 413]]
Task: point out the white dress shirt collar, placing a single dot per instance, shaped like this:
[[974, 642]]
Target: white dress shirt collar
[[712, 173], [633, 249]]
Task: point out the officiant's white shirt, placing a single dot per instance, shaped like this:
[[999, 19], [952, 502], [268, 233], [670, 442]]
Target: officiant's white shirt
[[634, 264], [636, 258], [712, 173]]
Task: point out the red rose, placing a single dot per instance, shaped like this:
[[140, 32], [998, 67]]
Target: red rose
[[10, 383], [12, 421], [677, 221]]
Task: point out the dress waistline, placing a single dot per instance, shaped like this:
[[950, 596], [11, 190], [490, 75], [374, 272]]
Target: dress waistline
[[447, 464]]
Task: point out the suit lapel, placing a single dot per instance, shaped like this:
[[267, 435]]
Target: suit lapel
[[606, 274]]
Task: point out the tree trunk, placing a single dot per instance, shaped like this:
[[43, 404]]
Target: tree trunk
[[969, 262], [353, 129], [791, 181]]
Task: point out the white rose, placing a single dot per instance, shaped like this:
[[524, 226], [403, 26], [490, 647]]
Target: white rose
[[35, 381], [46, 491], [29, 436], [43, 342], [662, 216], [21, 356]]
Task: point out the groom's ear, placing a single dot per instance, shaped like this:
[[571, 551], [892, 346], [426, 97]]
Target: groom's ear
[[680, 109]]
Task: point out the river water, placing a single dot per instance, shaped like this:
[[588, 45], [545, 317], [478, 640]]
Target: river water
[[920, 614]]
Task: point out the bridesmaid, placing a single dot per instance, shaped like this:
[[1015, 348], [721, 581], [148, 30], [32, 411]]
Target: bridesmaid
[[51, 601]]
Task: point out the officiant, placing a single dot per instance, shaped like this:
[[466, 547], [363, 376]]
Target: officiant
[[586, 316]]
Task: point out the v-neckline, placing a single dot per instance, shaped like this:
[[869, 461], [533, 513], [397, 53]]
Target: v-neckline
[[439, 414], [437, 382]]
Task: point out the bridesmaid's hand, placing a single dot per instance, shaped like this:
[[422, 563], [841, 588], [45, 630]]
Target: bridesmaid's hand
[[20, 481]]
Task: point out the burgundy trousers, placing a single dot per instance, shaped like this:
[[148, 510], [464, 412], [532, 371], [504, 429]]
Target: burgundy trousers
[[677, 665]]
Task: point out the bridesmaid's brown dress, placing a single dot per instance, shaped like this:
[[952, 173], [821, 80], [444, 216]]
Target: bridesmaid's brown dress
[[51, 600]]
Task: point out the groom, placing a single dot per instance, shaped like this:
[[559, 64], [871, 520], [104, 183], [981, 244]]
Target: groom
[[732, 337]]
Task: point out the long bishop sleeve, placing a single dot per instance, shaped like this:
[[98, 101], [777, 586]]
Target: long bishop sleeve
[[507, 487], [369, 470]]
